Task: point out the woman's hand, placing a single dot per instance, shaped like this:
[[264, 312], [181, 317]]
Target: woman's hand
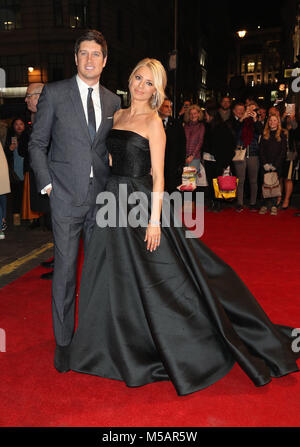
[[189, 159], [153, 236], [254, 116], [110, 160], [13, 146]]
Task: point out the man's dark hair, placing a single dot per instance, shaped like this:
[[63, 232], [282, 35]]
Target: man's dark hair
[[225, 97], [91, 35], [210, 105], [238, 103]]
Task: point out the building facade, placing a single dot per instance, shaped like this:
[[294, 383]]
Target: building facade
[[192, 53], [37, 39], [257, 63]]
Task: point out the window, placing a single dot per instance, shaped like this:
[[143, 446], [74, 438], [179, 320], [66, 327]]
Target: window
[[250, 80], [259, 65], [78, 10], [57, 13], [258, 79], [251, 67], [204, 77], [16, 70], [9, 15], [203, 58], [202, 95]]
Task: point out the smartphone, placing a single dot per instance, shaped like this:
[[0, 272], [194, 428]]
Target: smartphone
[[14, 140], [290, 109]]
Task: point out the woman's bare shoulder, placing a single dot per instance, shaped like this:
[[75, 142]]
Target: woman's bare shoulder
[[154, 122], [118, 114]]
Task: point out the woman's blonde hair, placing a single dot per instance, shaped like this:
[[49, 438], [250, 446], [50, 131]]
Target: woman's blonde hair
[[279, 128], [159, 80], [196, 107]]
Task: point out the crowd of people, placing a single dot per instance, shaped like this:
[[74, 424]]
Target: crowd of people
[[140, 291], [240, 138], [246, 140], [17, 178]]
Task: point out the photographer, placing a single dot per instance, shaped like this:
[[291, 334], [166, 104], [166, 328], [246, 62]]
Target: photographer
[[218, 150], [183, 115], [248, 135]]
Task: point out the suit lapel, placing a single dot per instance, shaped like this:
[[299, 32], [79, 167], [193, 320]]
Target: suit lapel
[[103, 112], [78, 107]]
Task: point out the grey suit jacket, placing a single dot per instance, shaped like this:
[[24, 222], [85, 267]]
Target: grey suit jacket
[[60, 147]]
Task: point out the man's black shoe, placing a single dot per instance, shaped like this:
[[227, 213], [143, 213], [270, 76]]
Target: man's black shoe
[[48, 275], [62, 359], [48, 264], [297, 214]]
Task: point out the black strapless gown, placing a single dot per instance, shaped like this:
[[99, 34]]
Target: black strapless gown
[[179, 313]]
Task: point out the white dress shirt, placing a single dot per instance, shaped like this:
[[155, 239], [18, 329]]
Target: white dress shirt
[[165, 121], [83, 90]]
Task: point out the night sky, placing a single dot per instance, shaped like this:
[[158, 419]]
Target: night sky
[[255, 12]]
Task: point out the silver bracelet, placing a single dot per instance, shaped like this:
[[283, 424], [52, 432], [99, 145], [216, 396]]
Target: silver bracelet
[[154, 222]]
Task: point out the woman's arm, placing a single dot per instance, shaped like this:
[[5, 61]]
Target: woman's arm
[[201, 139], [197, 141], [157, 142], [8, 153], [116, 118], [282, 154]]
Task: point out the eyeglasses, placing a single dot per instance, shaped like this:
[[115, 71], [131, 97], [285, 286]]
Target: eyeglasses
[[28, 95]]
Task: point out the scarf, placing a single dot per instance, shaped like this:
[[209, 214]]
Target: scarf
[[247, 132]]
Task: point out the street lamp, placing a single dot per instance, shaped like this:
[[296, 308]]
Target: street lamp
[[242, 33]]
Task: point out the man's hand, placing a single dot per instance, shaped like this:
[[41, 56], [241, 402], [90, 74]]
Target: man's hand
[[48, 190], [254, 116], [246, 115]]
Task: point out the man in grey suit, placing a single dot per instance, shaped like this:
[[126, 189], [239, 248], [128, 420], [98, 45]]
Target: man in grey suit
[[74, 116]]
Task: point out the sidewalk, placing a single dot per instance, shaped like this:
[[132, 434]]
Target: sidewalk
[[22, 250]]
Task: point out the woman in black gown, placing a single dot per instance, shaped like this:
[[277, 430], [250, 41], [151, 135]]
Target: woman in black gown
[[153, 304]]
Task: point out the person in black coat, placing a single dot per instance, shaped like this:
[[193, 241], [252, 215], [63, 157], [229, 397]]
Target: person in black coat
[[218, 151], [16, 164], [38, 202], [175, 152]]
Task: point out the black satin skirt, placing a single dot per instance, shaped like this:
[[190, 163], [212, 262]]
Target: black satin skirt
[[179, 313]]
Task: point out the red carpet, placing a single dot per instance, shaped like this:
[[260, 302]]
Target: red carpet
[[264, 250]]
